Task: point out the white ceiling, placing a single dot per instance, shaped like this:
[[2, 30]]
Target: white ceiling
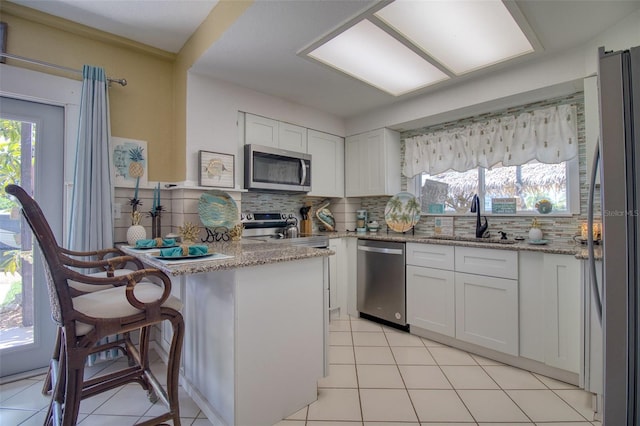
[[259, 51]]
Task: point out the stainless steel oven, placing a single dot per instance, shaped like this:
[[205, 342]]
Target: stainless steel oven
[[267, 168]]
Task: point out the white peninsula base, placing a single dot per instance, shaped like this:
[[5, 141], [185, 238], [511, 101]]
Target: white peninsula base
[[256, 340]]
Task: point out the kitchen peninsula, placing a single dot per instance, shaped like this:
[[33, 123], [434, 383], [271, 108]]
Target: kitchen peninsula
[[256, 328]]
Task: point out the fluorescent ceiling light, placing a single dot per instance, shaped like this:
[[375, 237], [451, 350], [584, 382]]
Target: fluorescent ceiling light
[[461, 35], [368, 53]]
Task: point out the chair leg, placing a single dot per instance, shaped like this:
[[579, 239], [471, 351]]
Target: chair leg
[[72, 394], [173, 367]]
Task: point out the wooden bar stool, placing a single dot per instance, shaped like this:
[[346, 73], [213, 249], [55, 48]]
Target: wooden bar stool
[[137, 301]]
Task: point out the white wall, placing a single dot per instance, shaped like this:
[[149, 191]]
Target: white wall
[[554, 75], [212, 112]]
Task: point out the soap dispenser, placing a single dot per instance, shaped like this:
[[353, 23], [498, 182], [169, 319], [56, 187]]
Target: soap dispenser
[[535, 233]]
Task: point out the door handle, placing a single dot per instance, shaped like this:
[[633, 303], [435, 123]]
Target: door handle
[[380, 250], [304, 172]]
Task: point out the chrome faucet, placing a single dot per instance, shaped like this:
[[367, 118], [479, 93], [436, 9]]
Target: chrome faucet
[[475, 208]]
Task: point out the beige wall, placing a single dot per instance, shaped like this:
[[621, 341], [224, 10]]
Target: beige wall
[[141, 110]]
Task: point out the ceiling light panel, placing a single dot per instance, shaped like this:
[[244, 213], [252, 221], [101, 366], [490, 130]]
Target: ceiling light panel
[[366, 52], [461, 35]]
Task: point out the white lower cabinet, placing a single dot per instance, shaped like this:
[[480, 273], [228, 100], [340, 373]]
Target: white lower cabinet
[[550, 315], [431, 299], [487, 311], [338, 278], [561, 280]]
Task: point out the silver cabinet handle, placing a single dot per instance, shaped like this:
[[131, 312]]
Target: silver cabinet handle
[[380, 250]]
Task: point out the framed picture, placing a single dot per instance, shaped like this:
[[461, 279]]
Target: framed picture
[[129, 161], [216, 169]]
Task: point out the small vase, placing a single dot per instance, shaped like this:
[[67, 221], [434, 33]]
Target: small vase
[[135, 233], [156, 225]]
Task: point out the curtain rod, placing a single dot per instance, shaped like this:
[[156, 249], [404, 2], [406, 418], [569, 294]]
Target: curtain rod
[[120, 81]]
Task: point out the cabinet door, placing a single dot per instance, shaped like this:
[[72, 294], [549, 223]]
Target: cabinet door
[[327, 164], [372, 157], [292, 137], [352, 169], [337, 278], [261, 131], [431, 299], [487, 312], [562, 311]]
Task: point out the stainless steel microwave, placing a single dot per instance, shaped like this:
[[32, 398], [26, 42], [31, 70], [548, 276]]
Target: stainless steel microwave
[[267, 168]]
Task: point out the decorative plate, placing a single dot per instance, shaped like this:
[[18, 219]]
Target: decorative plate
[[217, 209], [402, 212], [190, 256]]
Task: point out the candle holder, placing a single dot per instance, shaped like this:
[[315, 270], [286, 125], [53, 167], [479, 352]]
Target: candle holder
[[156, 226]]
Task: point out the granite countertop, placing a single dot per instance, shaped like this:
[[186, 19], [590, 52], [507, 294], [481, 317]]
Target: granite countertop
[[238, 254], [568, 247]]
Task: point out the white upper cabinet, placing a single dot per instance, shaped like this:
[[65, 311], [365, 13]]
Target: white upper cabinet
[[372, 164], [277, 134], [292, 137], [261, 131], [327, 164]]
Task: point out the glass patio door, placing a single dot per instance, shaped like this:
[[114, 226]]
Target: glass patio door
[[31, 155]]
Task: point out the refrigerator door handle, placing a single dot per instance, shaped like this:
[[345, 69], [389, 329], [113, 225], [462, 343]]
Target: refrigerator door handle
[[590, 246]]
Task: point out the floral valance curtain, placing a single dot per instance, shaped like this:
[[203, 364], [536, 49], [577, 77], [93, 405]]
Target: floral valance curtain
[[548, 135]]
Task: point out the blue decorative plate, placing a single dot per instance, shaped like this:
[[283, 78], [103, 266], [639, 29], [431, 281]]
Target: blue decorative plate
[[402, 212], [217, 209]]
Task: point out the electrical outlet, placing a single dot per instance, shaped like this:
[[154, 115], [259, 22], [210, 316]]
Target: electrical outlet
[[117, 210]]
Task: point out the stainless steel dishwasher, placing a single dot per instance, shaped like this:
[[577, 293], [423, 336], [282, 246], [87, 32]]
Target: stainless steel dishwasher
[[381, 280]]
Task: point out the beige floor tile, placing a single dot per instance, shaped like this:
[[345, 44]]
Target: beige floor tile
[[564, 424], [9, 416], [340, 376], [368, 338], [29, 398], [337, 423], [485, 361], [299, 415], [453, 424], [409, 355], [290, 423], [553, 383], [491, 406], [366, 326], [391, 424], [130, 400], [374, 355], [340, 338], [386, 405], [35, 420], [544, 406], [202, 422], [336, 404], [341, 355], [468, 377], [403, 339], [506, 424], [379, 376], [431, 343], [509, 377], [450, 356], [424, 377], [439, 406], [579, 399], [338, 325], [108, 420]]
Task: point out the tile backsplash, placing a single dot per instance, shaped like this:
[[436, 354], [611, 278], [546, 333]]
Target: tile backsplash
[[184, 201]]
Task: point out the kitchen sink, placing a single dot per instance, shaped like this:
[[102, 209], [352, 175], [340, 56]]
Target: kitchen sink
[[473, 239]]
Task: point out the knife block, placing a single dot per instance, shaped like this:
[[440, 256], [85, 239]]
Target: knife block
[[305, 227]]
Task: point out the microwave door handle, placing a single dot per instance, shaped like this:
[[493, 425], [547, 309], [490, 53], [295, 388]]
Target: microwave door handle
[[304, 172]]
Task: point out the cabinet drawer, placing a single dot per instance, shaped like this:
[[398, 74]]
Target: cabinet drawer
[[490, 262], [430, 256]]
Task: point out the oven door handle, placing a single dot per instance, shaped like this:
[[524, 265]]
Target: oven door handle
[[304, 172]]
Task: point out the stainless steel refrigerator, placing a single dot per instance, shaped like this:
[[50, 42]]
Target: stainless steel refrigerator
[[619, 92]]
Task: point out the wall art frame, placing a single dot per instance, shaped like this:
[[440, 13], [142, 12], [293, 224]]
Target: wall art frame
[[216, 169], [124, 173]]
